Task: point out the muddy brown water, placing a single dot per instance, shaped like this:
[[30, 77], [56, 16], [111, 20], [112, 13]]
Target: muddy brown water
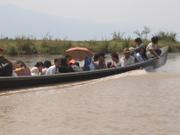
[[133, 103]]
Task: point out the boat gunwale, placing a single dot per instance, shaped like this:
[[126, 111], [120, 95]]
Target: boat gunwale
[[77, 73]]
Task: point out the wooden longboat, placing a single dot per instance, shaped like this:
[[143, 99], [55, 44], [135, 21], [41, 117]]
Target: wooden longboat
[[32, 81]]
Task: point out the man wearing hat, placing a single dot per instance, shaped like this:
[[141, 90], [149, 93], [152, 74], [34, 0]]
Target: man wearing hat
[[127, 59]]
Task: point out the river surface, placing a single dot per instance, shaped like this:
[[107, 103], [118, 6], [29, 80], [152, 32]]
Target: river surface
[[133, 103]]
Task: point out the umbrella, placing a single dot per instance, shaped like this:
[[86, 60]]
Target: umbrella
[[79, 53]]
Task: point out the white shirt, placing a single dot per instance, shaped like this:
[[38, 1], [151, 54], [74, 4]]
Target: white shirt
[[151, 46], [126, 62], [52, 70], [35, 71]]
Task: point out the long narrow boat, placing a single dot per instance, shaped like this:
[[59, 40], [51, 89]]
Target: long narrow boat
[[32, 81]]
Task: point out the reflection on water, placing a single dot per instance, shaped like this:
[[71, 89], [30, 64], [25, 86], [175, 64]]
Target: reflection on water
[[137, 103]]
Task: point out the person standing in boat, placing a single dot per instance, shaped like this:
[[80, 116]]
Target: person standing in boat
[[6, 67], [55, 68], [153, 49], [127, 59]]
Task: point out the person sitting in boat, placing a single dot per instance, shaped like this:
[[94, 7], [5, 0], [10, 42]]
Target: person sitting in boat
[[6, 67], [127, 59], [138, 43], [75, 65], [37, 69], [47, 64], [68, 58], [115, 60], [101, 61], [21, 69], [132, 51], [153, 49], [88, 64], [139, 56], [55, 68], [65, 68]]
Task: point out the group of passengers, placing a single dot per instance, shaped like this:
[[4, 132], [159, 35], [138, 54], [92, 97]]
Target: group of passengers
[[138, 53]]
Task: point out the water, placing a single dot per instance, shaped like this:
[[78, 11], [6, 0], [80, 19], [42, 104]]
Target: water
[[134, 103]]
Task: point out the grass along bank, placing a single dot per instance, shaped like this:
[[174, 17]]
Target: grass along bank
[[27, 46]]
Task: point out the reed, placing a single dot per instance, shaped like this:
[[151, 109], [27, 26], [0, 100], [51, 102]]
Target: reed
[[29, 46]]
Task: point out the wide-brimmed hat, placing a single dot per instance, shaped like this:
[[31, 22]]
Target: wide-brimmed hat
[[126, 50]]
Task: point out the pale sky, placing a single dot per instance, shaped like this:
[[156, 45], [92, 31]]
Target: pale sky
[[117, 15]]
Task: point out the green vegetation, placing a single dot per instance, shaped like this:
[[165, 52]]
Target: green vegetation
[[27, 46]]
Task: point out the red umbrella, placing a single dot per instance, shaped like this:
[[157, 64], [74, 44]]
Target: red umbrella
[[79, 53]]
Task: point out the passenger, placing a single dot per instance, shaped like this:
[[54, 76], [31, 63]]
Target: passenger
[[101, 61], [153, 49], [37, 69], [68, 59], [65, 68], [132, 51], [127, 59], [6, 67], [21, 69], [109, 65], [47, 64], [55, 68], [75, 66], [138, 45], [96, 56], [115, 60], [139, 56], [88, 64]]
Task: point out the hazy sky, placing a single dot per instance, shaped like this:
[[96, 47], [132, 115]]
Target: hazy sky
[[114, 14]]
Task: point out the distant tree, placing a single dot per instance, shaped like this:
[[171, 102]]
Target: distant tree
[[168, 36], [118, 36], [144, 33]]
